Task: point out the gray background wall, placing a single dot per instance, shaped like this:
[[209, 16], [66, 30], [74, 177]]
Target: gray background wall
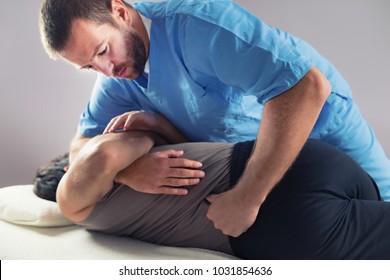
[[40, 99]]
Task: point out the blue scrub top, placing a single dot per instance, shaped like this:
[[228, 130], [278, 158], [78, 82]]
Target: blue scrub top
[[213, 65]]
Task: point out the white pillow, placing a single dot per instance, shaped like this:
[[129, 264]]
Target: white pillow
[[19, 205]]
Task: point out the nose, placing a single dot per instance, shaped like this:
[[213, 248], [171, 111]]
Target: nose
[[105, 67]]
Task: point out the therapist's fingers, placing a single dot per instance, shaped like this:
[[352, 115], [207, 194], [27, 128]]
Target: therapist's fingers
[[174, 159], [113, 124], [184, 163], [108, 126], [185, 173], [118, 123], [181, 182], [172, 191]]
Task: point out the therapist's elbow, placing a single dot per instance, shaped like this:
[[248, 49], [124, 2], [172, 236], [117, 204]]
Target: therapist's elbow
[[318, 87]]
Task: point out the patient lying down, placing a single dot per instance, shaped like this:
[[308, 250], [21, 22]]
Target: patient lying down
[[325, 207]]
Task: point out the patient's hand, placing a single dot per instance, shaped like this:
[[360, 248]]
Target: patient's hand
[[164, 172]]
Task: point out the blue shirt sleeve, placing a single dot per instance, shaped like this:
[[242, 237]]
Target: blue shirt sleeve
[[109, 98], [222, 39]]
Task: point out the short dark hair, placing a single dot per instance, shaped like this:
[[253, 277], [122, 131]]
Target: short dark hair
[[57, 16], [48, 176]]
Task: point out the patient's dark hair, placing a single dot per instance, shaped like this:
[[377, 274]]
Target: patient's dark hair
[[48, 176], [57, 16]]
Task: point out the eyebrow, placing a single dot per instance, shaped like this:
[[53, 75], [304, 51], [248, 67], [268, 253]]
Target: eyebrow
[[94, 54]]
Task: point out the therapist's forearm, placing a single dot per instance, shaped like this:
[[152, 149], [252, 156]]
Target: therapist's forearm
[[286, 124]]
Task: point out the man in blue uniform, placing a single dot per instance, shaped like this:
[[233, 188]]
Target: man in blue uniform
[[219, 74]]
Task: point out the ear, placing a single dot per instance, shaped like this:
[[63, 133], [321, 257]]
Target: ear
[[119, 11]]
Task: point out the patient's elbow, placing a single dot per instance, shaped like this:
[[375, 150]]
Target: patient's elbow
[[101, 156]]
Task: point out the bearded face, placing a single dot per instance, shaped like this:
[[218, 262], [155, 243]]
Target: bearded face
[[111, 50], [135, 54]]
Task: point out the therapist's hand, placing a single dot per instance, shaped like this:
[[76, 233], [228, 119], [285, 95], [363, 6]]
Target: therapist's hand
[[134, 120], [231, 213], [140, 120], [164, 172]]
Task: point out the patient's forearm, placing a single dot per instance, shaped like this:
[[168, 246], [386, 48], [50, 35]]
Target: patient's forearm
[[92, 172]]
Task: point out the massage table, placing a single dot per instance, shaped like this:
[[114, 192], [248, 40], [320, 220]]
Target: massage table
[[32, 228]]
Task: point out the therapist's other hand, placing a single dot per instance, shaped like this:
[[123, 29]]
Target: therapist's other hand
[[164, 172], [231, 213]]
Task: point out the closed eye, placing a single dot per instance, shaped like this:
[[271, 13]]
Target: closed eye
[[99, 54], [87, 67], [102, 52]]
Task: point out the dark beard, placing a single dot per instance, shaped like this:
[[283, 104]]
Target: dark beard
[[137, 53]]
